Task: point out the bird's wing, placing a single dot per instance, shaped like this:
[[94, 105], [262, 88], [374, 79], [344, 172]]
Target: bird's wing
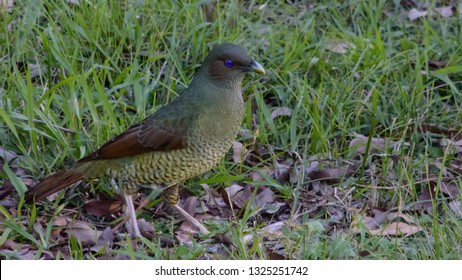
[[160, 132]]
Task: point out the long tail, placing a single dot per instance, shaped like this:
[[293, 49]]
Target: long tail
[[52, 184]]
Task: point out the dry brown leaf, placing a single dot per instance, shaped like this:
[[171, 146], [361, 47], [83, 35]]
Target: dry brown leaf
[[229, 192], [105, 239], [190, 205], [241, 197], [107, 236], [456, 207], [83, 232], [266, 196], [371, 220], [396, 229], [274, 229], [359, 144], [5, 190], [146, 228], [9, 245], [435, 65], [450, 188], [100, 208], [379, 222], [449, 133], [187, 229], [238, 152], [38, 228], [282, 171], [276, 256], [60, 221], [213, 198], [394, 215], [424, 200], [184, 237], [256, 176], [333, 175]]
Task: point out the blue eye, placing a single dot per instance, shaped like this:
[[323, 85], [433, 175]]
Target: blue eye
[[229, 63]]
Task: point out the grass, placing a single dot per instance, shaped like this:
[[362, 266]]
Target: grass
[[75, 75]]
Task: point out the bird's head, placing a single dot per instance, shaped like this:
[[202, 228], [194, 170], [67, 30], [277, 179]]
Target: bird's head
[[227, 62]]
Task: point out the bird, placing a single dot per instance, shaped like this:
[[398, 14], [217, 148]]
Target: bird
[[181, 140]]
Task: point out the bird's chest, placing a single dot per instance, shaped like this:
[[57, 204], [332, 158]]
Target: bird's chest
[[221, 123]]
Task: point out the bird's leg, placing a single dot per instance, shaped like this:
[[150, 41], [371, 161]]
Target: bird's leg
[[132, 223], [170, 195], [129, 209]]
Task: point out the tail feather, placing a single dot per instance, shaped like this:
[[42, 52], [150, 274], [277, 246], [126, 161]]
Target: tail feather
[[52, 184]]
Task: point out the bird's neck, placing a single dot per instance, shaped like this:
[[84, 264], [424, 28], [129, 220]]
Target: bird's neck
[[223, 100]]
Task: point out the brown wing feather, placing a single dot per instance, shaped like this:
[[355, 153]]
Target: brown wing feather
[[138, 139]]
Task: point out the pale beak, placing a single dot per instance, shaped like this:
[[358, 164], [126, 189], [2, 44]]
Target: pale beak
[[257, 68]]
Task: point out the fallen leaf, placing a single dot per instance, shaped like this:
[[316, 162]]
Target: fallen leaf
[[276, 256], [446, 11], [333, 175], [6, 189], [106, 236], [60, 221], [146, 228], [450, 188], [83, 232], [264, 197], [424, 200], [213, 198], [184, 238], [241, 197], [339, 46], [272, 208], [39, 229], [274, 229], [6, 5], [229, 192], [394, 215], [190, 205], [456, 146], [9, 245], [359, 144], [101, 208], [238, 152], [396, 229], [415, 14], [435, 65], [449, 133], [282, 171], [8, 156], [380, 222], [456, 207], [281, 111]]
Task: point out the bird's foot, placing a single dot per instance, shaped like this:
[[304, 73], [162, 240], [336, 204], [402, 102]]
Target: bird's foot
[[191, 219]]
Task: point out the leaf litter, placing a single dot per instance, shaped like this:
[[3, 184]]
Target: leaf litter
[[321, 187]]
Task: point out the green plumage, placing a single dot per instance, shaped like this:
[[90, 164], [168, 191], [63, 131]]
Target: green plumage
[[182, 140]]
